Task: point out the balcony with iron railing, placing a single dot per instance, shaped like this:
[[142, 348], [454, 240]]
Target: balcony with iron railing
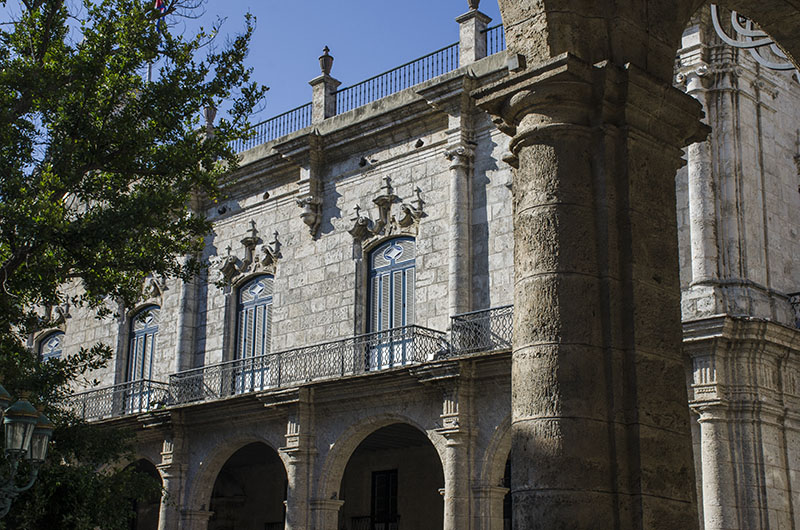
[[132, 397], [477, 332], [369, 353], [474, 333]]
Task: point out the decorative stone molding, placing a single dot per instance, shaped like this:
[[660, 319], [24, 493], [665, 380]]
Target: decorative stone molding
[[254, 259], [365, 228]]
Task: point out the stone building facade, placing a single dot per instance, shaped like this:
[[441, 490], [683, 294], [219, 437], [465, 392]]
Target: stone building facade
[[348, 361]]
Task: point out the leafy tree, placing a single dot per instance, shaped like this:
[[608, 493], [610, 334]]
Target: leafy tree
[[99, 169]]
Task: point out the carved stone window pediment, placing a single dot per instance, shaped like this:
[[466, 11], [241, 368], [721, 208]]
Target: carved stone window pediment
[[365, 229], [256, 257]]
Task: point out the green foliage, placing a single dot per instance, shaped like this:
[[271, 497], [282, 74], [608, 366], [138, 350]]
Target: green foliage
[[99, 170]]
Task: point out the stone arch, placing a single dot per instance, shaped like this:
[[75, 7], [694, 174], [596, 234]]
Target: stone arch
[[200, 484], [337, 458], [497, 452], [147, 511], [645, 34]]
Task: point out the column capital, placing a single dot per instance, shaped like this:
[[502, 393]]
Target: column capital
[[710, 411], [568, 96], [460, 154]]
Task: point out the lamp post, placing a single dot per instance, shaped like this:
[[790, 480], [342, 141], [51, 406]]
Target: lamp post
[[27, 433]]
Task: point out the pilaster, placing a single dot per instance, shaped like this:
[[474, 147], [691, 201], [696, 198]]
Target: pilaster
[[298, 451], [307, 152], [456, 426], [489, 500], [172, 469], [453, 99], [600, 432]]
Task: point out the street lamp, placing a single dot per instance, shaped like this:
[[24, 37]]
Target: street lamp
[[27, 433]]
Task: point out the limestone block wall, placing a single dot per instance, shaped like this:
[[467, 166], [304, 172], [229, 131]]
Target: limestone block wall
[[739, 195], [492, 223]]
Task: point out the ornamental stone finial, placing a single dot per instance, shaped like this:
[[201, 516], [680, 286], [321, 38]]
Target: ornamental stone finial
[[326, 61], [473, 4]]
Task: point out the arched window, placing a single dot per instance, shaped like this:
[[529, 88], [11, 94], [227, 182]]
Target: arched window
[[50, 347], [391, 303], [255, 318], [391, 281], [144, 343], [253, 335]]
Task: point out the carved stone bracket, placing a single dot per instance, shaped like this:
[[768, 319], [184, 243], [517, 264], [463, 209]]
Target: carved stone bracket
[[254, 259], [312, 212], [365, 228]]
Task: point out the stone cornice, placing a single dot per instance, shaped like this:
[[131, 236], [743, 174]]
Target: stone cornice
[[361, 125], [741, 330]]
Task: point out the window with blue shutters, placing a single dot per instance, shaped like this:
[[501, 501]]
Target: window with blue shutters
[[255, 318], [391, 302], [253, 334], [144, 343], [51, 346], [391, 283]]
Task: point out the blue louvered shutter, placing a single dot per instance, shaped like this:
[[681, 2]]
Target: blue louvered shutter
[[144, 343], [255, 318]]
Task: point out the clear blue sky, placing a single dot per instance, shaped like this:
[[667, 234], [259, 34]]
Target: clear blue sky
[[366, 37]]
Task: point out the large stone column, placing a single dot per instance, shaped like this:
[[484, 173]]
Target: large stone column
[[599, 421]]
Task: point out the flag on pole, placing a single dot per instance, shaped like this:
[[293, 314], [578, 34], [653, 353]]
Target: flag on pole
[[161, 6]]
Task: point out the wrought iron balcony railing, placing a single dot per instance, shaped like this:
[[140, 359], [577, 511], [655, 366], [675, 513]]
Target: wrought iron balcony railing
[[132, 397], [481, 331], [330, 360]]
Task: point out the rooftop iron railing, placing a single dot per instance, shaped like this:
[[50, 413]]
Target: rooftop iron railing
[[481, 331], [495, 39], [132, 397], [372, 352], [406, 75], [280, 125]]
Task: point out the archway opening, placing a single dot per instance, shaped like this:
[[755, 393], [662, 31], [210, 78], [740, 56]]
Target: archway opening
[[250, 491], [393, 481], [147, 507]]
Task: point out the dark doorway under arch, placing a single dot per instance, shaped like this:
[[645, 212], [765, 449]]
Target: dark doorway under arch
[[393, 480], [147, 510], [249, 491]]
